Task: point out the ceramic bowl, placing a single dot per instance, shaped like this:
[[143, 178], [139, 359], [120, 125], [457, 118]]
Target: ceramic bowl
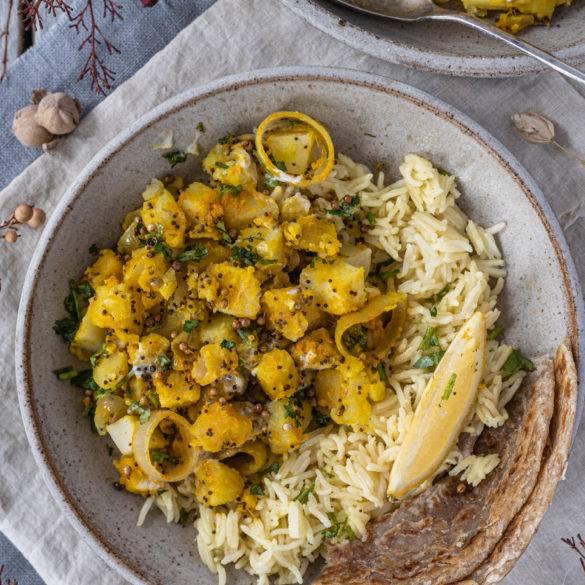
[[446, 48], [371, 119]]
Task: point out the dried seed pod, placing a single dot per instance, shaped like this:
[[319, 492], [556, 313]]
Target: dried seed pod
[[27, 130], [58, 113], [534, 127], [23, 213], [37, 219]]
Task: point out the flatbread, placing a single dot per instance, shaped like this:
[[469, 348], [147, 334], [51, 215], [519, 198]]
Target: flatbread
[[524, 525], [442, 536]]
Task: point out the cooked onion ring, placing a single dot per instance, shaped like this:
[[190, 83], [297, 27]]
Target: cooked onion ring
[[141, 447], [391, 301], [322, 166]]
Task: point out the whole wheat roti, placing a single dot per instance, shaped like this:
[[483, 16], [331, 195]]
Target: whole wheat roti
[[442, 535], [524, 525]]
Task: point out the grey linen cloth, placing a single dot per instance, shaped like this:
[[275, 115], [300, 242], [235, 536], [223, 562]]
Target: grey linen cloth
[[235, 36]]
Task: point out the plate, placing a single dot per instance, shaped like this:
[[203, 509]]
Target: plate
[[371, 119], [446, 47]]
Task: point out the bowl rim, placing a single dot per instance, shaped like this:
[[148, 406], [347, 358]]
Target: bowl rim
[[31, 421], [400, 53]]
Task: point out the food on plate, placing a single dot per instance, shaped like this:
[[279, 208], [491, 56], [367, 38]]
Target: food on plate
[[298, 353], [515, 15]]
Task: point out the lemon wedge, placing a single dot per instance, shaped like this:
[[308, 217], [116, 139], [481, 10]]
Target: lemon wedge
[[443, 410]]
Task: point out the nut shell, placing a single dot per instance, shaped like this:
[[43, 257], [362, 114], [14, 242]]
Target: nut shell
[[27, 130], [58, 113]]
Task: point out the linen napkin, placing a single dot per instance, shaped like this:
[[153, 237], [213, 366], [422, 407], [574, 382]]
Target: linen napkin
[[235, 36]]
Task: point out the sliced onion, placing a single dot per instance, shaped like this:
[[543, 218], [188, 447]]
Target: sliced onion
[[141, 447], [322, 166]]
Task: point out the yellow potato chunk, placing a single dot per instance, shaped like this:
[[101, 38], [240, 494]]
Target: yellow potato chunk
[[344, 392], [152, 275], [242, 209], [338, 286], [108, 265], [162, 210], [231, 164], [148, 351], [277, 374], [137, 482], [220, 426], [110, 369], [216, 330], [203, 210], [116, 306], [215, 253], [213, 362], [287, 423], [176, 390], [217, 484], [290, 311], [265, 239], [313, 235], [316, 351], [88, 339], [231, 290], [293, 148]]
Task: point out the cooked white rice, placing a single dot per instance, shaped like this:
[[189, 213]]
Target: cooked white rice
[[418, 223]]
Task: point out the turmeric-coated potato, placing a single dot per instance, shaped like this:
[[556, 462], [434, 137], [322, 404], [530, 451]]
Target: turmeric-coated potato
[[231, 164], [203, 210], [108, 265], [177, 389], [116, 306], [289, 418], [110, 369], [277, 374], [241, 210], [213, 362], [136, 481], [313, 235], [338, 286], [217, 484], [220, 426], [316, 351], [88, 339], [162, 210]]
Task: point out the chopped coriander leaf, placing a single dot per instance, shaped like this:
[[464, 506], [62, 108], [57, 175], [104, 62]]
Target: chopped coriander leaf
[[175, 157], [495, 332], [443, 172], [163, 362], [449, 387], [220, 226], [434, 312], [293, 412], [225, 189], [436, 299], [184, 517], [66, 328], [270, 181], [244, 335], [110, 450], [190, 324], [429, 339], [74, 303], [321, 419], [313, 262], [85, 381], [355, 339], [386, 274], [93, 359], [303, 495], [155, 242], [161, 492], [227, 344], [257, 490], [201, 127], [193, 254], [382, 372], [346, 210], [226, 139], [429, 361], [245, 256], [93, 249], [89, 413], [517, 362], [163, 456], [153, 397], [221, 165], [66, 373], [371, 218], [334, 529], [143, 413], [271, 468]]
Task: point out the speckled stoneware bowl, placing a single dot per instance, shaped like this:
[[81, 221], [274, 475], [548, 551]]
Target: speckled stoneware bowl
[[446, 47], [371, 119]]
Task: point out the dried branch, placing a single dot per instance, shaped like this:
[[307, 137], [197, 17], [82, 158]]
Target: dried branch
[[7, 581], [4, 35], [85, 24], [572, 544]]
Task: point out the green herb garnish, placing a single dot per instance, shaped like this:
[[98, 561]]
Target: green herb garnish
[[271, 468], [245, 256], [220, 226], [303, 495], [143, 413], [293, 411], [321, 419], [155, 242], [226, 139], [257, 490], [346, 210], [222, 165], [175, 157], [163, 456], [449, 387], [190, 324], [233, 190], [75, 303], [429, 361], [355, 339], [371, 218], [429, 339], [89, 413], [495, 332], [93, 249], [193, 254], [382, 372], [85, 381], [517, 362], [163, 362], [227, 344], [67, 373], [110, 450], [201, 127]]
